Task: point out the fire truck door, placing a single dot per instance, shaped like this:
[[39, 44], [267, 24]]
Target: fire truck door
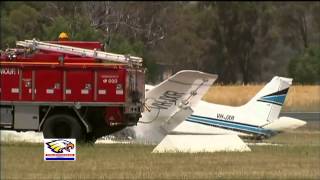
[[27, 85], [79, 85], [48, 85], [9, 84]]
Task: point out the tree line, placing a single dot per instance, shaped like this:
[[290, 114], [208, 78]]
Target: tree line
[[243, 42]]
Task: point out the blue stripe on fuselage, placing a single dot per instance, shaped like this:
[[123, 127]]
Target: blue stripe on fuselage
[[247, 128]]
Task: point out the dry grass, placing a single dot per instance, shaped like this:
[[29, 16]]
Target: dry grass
[[300, 98], [299, 158]]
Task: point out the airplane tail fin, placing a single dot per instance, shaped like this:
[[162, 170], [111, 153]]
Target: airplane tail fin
[[267, 103]]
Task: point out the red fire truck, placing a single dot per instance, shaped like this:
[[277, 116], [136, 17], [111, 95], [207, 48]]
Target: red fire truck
[[69, 89]]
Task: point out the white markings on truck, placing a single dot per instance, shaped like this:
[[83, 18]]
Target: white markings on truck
[[9, 71], [15, 90], [110, 81]]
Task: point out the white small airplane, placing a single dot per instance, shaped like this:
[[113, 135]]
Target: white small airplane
[[171, 114]]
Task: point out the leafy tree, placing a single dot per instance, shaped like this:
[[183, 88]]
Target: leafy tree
[[52, 31], [181, 46], [305, 68], [294, 23], [18, 22], [123, 46], [242, 35]]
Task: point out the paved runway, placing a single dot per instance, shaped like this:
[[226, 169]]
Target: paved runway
[[306, 116]]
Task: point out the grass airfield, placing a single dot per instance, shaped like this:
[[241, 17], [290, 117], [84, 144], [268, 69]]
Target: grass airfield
[[297, 157]]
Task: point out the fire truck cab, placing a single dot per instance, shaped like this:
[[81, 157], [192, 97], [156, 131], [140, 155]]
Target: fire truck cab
[[69, 89]]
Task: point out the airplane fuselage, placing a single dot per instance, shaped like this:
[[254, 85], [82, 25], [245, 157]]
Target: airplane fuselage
[[209, 118]]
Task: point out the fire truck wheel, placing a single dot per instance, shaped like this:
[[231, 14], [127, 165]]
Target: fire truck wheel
[[63, 126]]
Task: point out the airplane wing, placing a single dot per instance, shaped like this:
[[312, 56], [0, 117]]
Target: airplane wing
[[170, 102], [201, 143]]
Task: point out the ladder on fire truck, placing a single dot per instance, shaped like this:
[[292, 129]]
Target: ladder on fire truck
[[119, 58]]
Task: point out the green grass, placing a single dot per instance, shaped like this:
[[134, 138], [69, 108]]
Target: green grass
[[298, 158], [136, 162]]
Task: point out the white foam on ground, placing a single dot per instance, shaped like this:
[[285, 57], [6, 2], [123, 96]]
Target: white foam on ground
[[37, 137], [112, 140], [28, 136], [263, 144]]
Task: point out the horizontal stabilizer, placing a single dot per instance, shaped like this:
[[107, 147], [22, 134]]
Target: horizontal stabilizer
[[285, 124], [200, 143]]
